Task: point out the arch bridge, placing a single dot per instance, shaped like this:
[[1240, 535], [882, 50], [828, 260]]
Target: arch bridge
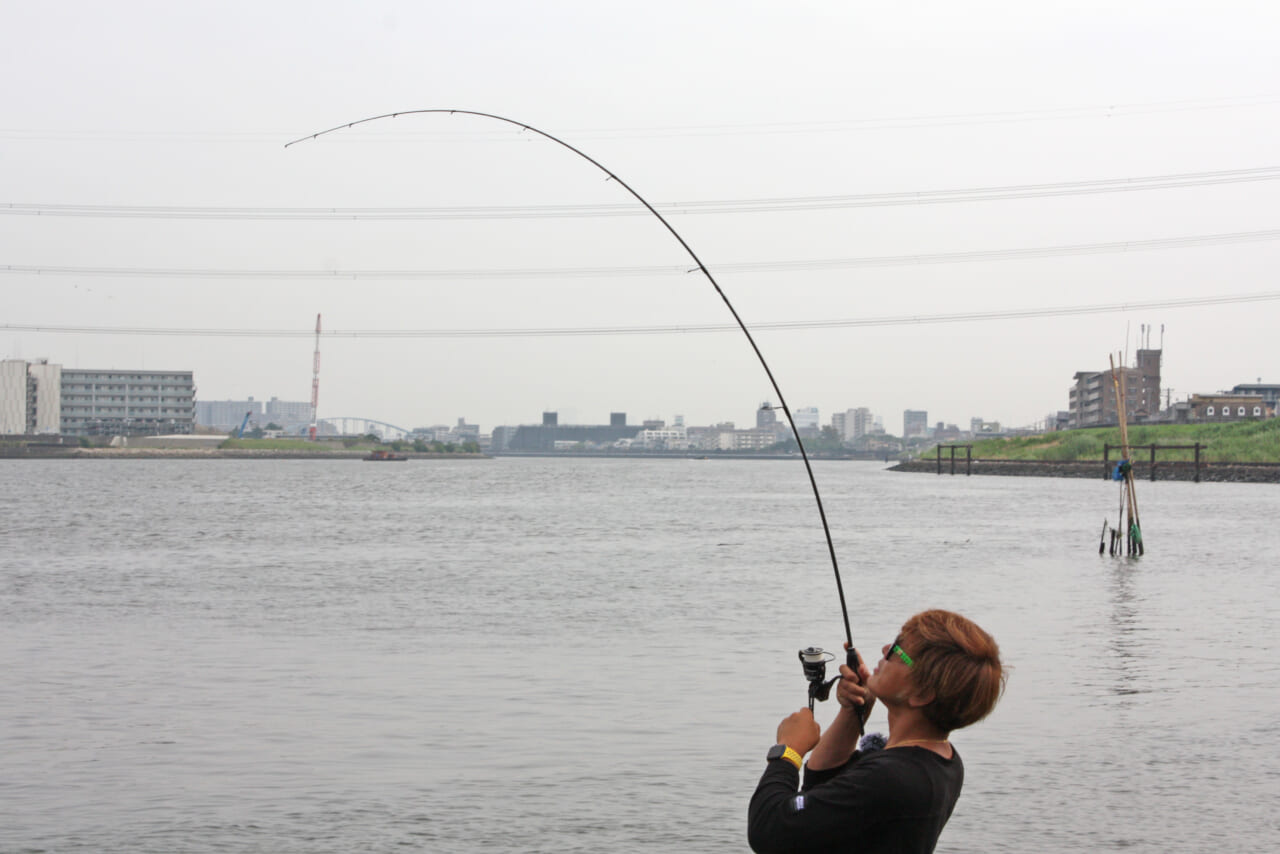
[[351, 425]]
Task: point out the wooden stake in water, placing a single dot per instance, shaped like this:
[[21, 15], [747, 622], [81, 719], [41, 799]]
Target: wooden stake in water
[[1133, 530]]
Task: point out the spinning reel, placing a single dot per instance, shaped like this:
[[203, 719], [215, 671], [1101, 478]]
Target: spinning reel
[[813, 660]]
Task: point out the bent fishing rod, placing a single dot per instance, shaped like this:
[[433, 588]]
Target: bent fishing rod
[[813, 659]]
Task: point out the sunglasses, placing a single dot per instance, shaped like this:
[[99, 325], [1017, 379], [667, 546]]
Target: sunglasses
[[895, 648]]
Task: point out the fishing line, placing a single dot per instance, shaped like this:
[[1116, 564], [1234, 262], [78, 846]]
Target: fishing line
[[813, 482]]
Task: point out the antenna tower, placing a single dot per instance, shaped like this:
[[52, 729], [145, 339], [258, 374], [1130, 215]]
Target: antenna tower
[[315, 383]]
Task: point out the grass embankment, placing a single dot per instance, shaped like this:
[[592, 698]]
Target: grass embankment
[[1242, 442], [281, 445], [347, 446]]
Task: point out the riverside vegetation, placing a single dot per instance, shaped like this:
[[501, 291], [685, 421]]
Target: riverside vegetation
[[1241, 442]]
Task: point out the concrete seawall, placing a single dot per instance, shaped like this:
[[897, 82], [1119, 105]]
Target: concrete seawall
[[1209, 472]]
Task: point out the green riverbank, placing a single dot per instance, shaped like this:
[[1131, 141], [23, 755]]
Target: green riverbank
[[1241, 442], [1246, 452]]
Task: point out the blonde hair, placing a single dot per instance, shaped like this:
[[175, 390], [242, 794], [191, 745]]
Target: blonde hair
[[958, 663]]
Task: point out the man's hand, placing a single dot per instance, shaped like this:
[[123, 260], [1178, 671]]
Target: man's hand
[[852, 691], [799, 731]]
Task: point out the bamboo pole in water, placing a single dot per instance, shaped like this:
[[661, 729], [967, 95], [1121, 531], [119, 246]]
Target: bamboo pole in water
[[1133, 530]]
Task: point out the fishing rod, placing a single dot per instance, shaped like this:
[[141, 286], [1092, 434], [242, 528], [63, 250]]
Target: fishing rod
[[813, 659]]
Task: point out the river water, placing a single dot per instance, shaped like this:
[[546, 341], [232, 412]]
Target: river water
[[592, 655]]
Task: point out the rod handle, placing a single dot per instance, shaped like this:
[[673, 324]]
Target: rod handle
[[851, 659]]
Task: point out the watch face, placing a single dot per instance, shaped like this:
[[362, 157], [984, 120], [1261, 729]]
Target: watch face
[[776, 752]]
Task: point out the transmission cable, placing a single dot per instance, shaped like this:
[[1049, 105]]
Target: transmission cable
[[667, 329], [776, 204], [658, 270]]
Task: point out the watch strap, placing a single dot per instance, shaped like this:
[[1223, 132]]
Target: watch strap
[[782, 751]]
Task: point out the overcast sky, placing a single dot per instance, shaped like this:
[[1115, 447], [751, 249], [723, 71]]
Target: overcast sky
[[187, 107]]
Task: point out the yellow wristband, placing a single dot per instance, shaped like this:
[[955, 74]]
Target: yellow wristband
[[794, 758]]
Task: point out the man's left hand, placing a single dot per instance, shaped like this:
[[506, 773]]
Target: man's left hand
[[799, 731]]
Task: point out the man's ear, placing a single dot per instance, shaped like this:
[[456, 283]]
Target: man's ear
[[917, 701]]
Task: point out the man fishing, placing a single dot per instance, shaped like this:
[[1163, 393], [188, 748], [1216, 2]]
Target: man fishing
[[942, 672]]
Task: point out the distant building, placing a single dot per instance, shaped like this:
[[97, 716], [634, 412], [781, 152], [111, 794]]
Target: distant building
[[15, 398], [1228, 407], [981, 429], [466, 432], [766, 417], [852, 424], [947, 433], [672, 438], [1060, 420], [462, 432], [703, 438], [38, 397], [807, 421], [711, 438], [862, 423], [292, 415], [1269, 392], [1092, 400], [45, 397], [30, 397], [111, 401], [552, 434], [434, 433], [749, 440], [229, 414], [915, 423], [500, 438]]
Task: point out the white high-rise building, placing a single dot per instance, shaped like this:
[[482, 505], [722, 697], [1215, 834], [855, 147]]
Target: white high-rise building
[[47, 378], [30, 397], [806, 420], [13, 397]]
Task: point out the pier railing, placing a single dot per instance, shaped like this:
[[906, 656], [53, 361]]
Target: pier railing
[[1107, 465], [968, 458], [1106, 456]]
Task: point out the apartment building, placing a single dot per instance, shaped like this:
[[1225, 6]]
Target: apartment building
[[112, 401], [1092, 399]]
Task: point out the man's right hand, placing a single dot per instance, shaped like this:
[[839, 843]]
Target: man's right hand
[[852, 691]]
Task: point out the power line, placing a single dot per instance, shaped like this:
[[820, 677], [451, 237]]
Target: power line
[[661, 270], [719, 206], [565, 332], [1107, 111]]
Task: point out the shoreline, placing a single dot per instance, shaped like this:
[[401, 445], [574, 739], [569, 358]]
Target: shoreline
[[1214, 472], [77, 453], [1142, 470], [36, 450]]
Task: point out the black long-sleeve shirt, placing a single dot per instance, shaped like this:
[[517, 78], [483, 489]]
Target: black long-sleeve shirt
[[893, 800]]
